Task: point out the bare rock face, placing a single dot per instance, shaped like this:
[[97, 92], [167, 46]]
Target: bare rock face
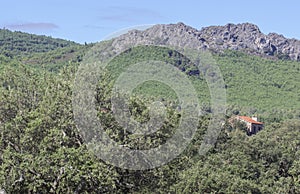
[[247, 37], [243, 37]]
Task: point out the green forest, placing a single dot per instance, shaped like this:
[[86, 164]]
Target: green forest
[[42, 151]]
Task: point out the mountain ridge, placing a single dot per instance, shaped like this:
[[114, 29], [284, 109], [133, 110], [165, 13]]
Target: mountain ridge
[[244, 37]]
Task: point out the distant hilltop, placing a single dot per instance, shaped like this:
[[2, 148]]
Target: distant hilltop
[[245, 37]]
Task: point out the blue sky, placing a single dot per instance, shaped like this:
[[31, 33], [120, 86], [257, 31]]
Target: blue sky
[[93, 20]]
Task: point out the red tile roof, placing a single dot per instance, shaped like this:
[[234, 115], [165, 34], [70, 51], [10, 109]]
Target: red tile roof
[[249, 120]]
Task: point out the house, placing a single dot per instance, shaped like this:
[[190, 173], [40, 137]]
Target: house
[[252, 123]]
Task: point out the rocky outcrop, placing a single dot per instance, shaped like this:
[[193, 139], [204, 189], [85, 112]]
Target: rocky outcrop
[[243, 37], [247, 37]]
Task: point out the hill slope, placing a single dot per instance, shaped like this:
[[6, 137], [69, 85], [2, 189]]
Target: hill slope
[[254, 84], [20, 43]]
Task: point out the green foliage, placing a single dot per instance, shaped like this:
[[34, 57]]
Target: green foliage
[[261, 86], [56, 59], [254, 85], [13, 44], [264, 163], [42, 151]]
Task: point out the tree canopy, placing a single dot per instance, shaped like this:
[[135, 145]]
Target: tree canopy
[[42, 151]]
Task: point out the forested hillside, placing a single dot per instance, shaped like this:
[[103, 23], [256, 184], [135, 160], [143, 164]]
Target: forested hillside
[[42, 151], [13, 44]]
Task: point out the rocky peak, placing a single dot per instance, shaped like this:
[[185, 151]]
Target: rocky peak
[[244, 37]]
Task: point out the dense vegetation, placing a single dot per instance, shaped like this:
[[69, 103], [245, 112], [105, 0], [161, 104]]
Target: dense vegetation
[[42, 151], [254, 85], [19, 43]]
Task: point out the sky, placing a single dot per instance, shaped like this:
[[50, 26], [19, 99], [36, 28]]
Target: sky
[[95, 20]]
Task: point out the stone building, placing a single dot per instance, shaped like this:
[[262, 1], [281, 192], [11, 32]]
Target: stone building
[[253, 125]]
